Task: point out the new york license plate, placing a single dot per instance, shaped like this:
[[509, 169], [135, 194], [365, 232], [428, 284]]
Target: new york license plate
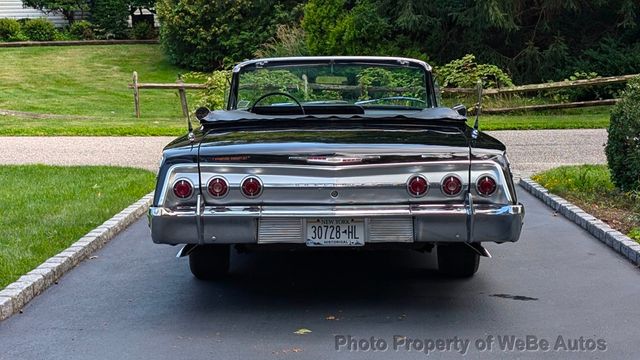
[[335, 232]]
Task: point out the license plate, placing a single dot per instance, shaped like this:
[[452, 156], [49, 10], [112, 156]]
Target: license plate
[[335, 232]]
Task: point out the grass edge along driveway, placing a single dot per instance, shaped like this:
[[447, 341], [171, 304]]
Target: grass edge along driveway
[[590, 188], [45, 209]]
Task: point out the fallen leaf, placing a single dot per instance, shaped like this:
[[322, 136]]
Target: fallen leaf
[[331, 317], [302, 331], [93, 257]]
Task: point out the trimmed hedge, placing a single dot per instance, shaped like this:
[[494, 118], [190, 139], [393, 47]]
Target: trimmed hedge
[[39, 30], [9, 30], [82, 30], [623, 145]]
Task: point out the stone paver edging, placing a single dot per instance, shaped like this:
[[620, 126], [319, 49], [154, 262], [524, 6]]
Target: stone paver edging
[[19, 293], [618, 241]]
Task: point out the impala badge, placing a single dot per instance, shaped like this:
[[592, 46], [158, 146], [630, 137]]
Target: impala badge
[[334, 159]]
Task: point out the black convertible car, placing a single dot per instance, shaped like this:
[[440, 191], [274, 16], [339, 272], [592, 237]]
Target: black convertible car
[[315, 152]]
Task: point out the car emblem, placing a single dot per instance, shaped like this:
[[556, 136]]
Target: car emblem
[[334, 159]]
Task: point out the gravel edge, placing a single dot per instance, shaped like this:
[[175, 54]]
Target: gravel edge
[[616, 240], [17, 294]]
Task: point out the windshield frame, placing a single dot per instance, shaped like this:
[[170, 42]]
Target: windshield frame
[[251, 65]]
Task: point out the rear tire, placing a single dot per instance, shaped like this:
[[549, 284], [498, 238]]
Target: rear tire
[[209, 262], [457, 260]]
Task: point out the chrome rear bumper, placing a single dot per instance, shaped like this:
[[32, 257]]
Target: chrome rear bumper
[[282, 224]]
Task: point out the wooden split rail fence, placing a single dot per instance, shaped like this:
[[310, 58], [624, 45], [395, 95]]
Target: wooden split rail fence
[[600, 81], [182, 87]]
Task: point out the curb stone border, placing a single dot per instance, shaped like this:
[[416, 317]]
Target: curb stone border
[[616, 240], [17, 294]]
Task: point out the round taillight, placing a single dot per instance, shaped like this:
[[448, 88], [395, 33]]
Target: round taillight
[[218, 187], [451, 185], [417, 185], [251, 187], [486, 185], [182, 189]]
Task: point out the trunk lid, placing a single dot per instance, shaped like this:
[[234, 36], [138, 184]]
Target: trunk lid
[[338, 165]]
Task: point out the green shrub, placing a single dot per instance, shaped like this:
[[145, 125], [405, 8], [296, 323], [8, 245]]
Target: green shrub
[[345, 27], [213, 97], [289, 41], [39, 30], [9, 29], [82, 30], [205, 35], [64, 35], [143, 31], [466, 72], [623, 145], [110, 18]]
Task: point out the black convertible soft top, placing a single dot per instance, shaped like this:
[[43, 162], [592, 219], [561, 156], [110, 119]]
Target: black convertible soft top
[[430, 114]]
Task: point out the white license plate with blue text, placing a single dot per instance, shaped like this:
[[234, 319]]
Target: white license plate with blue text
[[335, 232]]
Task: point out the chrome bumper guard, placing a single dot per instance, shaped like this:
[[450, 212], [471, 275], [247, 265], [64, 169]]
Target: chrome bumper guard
[[281, 224]]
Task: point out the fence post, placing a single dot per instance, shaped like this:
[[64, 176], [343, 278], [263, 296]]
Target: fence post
[[136, 94]]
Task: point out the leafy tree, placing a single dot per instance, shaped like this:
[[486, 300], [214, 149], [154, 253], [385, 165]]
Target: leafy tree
[[205, 35], [532, 39], [68, 8], [110, 18]]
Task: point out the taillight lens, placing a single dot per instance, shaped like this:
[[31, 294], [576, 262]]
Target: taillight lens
[[486, 185], [251, 187], [451, 185], [417, 185], [218, 187], [182, 189]]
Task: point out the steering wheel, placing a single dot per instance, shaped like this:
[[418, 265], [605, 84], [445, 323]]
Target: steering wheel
[[274, 94], [391, 98]]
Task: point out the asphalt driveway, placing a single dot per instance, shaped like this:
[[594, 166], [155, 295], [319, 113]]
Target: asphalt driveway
[[136, 301]]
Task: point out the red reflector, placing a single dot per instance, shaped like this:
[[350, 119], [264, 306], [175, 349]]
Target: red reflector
[[417, 186], [451, 185], [486, 185], [251, 187], [218, 187], [182, 189]]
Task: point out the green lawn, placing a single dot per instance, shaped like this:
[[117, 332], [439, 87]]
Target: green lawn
[[91, 81], [44, 209], [88, 81], [591, 118], [590, 187]]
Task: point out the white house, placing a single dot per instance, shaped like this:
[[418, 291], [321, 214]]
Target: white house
[[13, 9]]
